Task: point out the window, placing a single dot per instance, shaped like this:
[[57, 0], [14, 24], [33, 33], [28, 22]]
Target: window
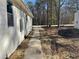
[[21, 21], [25, 21], [10, 14], [21, 25]]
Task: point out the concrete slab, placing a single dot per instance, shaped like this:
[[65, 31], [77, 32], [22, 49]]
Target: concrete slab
[[34, 50]]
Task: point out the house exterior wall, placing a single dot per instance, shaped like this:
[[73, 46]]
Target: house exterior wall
[[14, 32], [16, 36], [11, 37], [4, 37], [76, 21], [28, 25]]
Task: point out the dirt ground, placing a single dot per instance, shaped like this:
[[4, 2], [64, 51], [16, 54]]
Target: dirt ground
[[53, 46], [59, 47], [19, 53]]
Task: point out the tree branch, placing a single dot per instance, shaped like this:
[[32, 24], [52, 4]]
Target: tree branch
[[62, 3]]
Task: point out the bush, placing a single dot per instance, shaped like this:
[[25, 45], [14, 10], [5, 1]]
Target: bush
[[65, 32]]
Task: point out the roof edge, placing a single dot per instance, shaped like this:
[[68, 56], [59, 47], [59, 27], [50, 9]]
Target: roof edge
[[20, 4]]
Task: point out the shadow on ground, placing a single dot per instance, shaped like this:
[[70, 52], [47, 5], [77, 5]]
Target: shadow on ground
[[59, 46], [19, 53]]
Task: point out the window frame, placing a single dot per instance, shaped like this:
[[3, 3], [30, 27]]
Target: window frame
[[10, 17]]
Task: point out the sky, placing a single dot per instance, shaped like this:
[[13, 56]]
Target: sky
[[30, 0]]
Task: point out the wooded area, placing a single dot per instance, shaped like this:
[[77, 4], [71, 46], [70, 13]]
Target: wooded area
[[47, 12]]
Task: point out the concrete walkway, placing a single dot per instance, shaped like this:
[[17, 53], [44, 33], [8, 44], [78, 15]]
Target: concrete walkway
[[34, 50], [36, 46]]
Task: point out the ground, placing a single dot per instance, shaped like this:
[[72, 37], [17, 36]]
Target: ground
[[45, 43]]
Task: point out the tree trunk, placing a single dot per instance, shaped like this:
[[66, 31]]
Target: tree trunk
[[58, 16], [50, 13]]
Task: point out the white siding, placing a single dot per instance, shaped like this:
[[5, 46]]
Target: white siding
[[11, 37], [3, 29], [76, 21], [28, 25], [16, 36]]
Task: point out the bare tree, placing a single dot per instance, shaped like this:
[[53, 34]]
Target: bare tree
[[57, 4]]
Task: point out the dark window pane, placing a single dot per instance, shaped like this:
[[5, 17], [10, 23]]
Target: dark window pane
[[10, 20], [21, 25], [9, 8], [25, 21], [10, 15]]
